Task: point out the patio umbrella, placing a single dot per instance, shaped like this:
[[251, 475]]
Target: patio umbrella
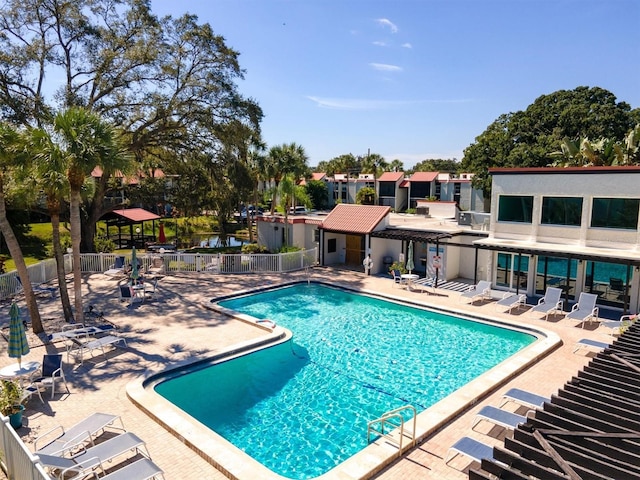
[[18, 345], [162, 238], [410, 265], [134, 266]]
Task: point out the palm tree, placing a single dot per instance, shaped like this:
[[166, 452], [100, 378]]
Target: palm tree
[[283, 160], [87, 141], [50, 178], [13, 155]]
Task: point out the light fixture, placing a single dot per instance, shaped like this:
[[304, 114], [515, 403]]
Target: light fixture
[[70, 251], [138, 230]]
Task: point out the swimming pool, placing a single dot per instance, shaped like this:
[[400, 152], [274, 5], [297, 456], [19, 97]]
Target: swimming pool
[[356, 367]]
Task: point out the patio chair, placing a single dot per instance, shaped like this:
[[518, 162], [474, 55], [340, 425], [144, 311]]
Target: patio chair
[[616, 327], [511, 301], [118, 267], [87, 459], [156, 267], [85, 430], [150, 287], [502, 418], [551, 302], [471, 448], [481, 291], [522, 397], [397, 277], [51, 373], [128, 295], [586, 309]]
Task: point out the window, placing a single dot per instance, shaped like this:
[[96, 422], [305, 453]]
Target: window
[[615, 213], [561, 211], [515, 208], [387, 189], [331, 245], [420, 189]]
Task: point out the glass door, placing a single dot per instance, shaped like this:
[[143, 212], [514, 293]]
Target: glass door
[[512, 271]]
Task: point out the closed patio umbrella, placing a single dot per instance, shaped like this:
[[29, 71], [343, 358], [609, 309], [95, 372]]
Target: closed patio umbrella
[[410, 265], [135, 274], [18, 344], [162, 238]]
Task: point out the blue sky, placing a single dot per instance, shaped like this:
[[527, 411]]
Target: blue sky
[[415, 79]]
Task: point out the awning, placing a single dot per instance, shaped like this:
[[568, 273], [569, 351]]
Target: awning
[[131, 215], [415, 235]]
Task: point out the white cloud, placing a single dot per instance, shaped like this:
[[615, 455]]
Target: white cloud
[[379, 44], [385, 67], [406, 45], [355, 104], [384, 22]]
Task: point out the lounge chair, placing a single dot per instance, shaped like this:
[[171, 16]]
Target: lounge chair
[[85, 430], [481, 291], [425, 284], [143, 469], [511, 301], [37, 289], [51, 372], [80, 464], [588, 343], [616, 327], [586, 309], [471, 448], [551, 302], [117, 268], [156, 267], [523, 397], [77, 347], [499, 417]]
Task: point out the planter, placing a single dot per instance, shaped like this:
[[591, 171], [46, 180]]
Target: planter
[[15, 419]]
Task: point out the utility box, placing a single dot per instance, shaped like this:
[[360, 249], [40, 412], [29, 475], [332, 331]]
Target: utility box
[[422, 211], [464, 218]]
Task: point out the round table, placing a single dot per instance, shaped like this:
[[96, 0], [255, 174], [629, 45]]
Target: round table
[[26, 369], [408, 278]]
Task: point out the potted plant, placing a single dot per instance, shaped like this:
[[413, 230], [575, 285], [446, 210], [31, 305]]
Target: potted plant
[[11, 402], [399, 266]]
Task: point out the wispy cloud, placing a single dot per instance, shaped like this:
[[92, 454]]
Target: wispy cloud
[[383, 67], [384, 22], [406, 45], [356, 104], [380, 44]]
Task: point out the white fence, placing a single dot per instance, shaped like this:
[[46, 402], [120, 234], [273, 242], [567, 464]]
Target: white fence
[[19, 462], [221, 263]]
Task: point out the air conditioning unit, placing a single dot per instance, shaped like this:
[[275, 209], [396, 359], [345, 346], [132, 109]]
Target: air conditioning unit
[[464, 218], [422, 211]]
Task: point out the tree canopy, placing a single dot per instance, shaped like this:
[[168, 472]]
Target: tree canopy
[[529, 138]]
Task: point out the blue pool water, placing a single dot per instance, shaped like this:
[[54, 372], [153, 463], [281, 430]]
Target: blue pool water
[[302, 407]]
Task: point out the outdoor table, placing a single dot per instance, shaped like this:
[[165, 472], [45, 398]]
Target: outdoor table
[[409, 278], [20, 371]]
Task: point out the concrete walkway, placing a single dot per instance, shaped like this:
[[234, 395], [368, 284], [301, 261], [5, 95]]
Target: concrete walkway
[[175, 327]]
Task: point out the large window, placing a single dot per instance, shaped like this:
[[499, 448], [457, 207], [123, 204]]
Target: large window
[[515, 208], [561, 211], [615, 213], [387, 189]]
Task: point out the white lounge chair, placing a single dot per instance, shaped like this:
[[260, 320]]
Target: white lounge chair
[[522, 397], [80, 464], [118, 267], [585, 310], [425, 284], [481, 291], [471, 448], [37, 289], [588, 343], [511, 301], [85, 430], [143, 469], [551, 302], [616, 327], [77, 347], [499, 417]]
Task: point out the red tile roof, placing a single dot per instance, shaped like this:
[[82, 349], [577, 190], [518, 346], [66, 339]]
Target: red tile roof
[[424, 176], [391, 176], [351, 218], [136, 214]]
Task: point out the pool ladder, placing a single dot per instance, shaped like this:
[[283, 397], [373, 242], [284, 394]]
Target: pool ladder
[[393, 420]]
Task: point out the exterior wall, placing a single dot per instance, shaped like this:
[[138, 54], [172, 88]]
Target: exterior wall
[[338, 256]]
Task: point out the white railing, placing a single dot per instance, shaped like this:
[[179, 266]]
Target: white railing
[[19, 462], [222, 263]]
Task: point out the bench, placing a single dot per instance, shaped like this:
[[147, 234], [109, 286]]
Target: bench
[[78, 347]]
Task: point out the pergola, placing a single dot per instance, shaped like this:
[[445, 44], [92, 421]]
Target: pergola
[[131, 217]]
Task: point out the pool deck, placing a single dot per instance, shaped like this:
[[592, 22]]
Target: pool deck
[[174, 328]]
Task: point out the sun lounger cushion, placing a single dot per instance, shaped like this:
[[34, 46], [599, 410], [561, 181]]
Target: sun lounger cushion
[[471, 448], [499, 417]]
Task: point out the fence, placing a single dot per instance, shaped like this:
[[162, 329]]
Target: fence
[[221, 263], [19, 462]]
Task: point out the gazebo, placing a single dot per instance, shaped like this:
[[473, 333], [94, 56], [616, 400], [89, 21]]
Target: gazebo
[[133, 218]]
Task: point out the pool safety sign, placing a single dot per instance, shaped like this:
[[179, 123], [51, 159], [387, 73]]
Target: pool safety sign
[[435, 263]]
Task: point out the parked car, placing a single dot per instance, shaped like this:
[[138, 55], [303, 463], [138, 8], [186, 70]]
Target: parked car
[[299, 210]]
